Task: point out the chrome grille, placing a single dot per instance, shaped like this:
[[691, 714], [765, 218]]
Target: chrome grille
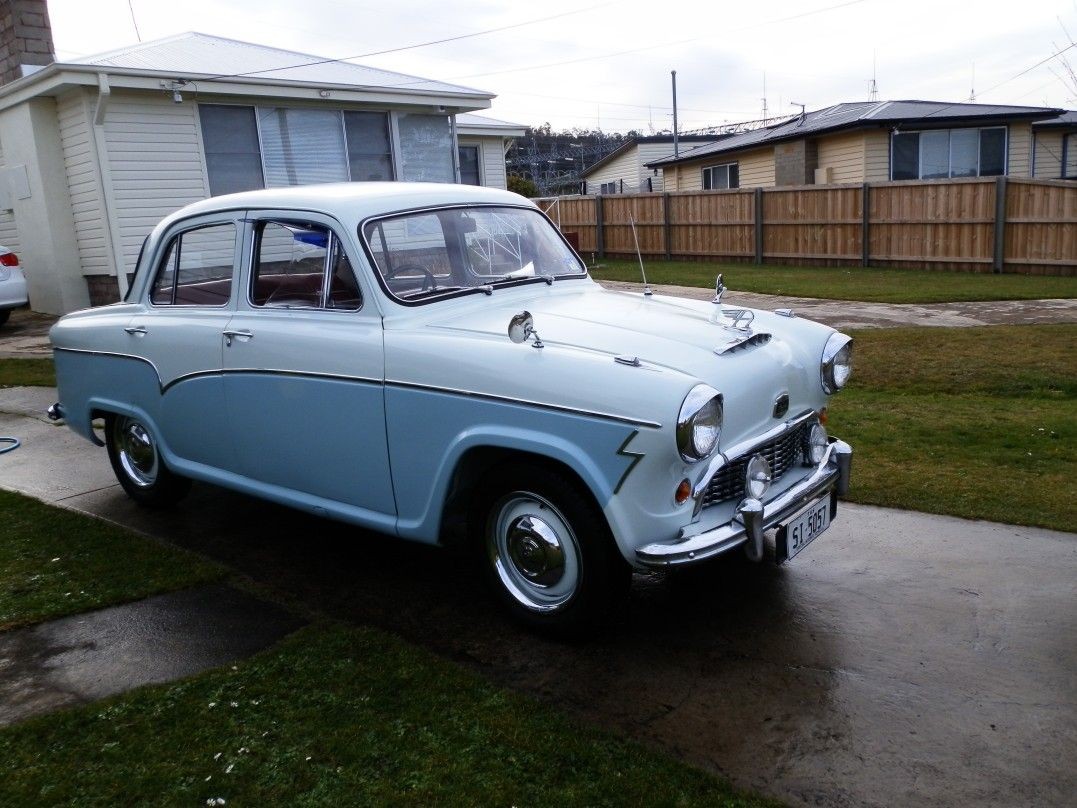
[[782, 454]]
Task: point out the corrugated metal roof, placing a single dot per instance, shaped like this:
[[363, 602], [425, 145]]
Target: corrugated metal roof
[[195, 54], [862, 114], [471, 120]]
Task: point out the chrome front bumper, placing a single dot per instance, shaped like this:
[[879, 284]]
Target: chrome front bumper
[[753, 517]]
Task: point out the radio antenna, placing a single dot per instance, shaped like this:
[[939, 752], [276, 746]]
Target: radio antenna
[[646, 286]]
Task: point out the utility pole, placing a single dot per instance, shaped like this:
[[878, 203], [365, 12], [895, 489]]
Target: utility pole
[[676, 143]]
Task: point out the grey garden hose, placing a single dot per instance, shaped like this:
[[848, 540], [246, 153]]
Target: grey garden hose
[[15, 443]]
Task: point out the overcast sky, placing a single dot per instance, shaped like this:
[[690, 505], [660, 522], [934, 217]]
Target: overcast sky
[[608, 64]]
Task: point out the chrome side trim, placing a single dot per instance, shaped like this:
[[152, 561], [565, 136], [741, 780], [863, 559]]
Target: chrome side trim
[[745, 447], [753, 517], [624, 419]]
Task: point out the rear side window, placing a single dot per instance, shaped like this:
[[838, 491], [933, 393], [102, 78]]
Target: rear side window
[[197, 268], [301, 265]]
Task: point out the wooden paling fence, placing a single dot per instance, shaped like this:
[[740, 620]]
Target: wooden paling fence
[[996, 224]]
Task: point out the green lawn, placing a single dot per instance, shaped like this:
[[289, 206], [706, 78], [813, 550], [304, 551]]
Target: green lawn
[[973, 422], [336, 716], [27, 373], [870, 284], [54, 562]]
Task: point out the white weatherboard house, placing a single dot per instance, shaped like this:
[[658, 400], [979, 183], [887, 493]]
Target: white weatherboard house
[[97, 150]]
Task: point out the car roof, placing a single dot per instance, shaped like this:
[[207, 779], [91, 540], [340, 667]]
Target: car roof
[[352, 201]]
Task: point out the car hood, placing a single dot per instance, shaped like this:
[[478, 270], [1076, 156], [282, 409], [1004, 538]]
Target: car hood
[[678, 342]]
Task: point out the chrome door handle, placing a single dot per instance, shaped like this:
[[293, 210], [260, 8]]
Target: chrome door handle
[[229, 335], [136, 329]]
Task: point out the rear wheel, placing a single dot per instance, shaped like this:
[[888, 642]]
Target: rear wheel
[[546, 550], [4, 314], [138, 465]]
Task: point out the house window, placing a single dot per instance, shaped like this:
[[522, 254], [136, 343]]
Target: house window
[[1069, 156], [722, 176], [608, 187], [945, 153], [370, 151], [257, 147], [302, 146], [469, 165], [230, 140], [426, 148]]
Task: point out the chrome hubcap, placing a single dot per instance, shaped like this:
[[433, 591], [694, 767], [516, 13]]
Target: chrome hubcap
[[137, 452], [534, 551]]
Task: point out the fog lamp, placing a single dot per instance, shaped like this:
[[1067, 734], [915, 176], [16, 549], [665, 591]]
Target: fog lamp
[[757, 478], [817, 443]]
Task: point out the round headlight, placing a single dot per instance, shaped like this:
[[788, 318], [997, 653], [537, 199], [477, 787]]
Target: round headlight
[[836, 365], [699, 423], [757, 477], [817, 443]]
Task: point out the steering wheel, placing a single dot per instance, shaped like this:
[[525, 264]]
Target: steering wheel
[[429, 281]]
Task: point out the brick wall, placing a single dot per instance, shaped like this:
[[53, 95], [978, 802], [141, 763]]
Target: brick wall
[[25, 37], [103, 289]]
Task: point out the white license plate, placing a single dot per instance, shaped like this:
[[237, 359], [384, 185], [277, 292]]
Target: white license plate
[[803, 529]]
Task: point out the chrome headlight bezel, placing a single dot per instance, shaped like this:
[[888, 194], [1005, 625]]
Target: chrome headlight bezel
[[699, 423], [836, 363]]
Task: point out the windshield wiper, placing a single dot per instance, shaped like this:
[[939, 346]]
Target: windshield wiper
[[513, 276]]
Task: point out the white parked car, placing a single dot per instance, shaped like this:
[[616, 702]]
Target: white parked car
[[434, 362], [12, 284]]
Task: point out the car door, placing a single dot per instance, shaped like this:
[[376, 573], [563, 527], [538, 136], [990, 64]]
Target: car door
[[185, 308], [303, 356]]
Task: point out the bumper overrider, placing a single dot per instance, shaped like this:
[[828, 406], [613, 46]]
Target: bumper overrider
[[753, 517]]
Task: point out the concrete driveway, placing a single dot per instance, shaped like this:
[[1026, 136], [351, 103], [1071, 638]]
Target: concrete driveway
[[903, 659]]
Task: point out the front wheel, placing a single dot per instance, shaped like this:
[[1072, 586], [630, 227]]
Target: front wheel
[[546, 550], [138, 465]]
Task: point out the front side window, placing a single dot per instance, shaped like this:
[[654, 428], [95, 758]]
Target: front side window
[[721, 177], [197, 268], [301, 265], [944, 153], [430, 254]]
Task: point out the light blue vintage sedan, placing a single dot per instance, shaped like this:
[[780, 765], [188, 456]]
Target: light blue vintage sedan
[[434, 362]]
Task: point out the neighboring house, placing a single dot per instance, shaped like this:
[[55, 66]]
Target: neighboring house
[[96, 151], [871, 141], [625, 170], [483, 143], [1054, 147]]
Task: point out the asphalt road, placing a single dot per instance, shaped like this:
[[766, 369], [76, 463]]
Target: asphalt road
[[902, 659]]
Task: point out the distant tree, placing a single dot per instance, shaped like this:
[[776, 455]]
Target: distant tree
[[522, 186]]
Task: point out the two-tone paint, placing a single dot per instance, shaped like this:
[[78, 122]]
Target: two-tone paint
[[367, 416]]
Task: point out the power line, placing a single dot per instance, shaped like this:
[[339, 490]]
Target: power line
[[412, 47], [663, 45]]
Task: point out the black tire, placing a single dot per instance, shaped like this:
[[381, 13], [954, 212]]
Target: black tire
[[138, 466], [546, 550], [4, 314]]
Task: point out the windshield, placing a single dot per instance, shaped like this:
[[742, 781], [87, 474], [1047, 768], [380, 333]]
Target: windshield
[[424, 255]]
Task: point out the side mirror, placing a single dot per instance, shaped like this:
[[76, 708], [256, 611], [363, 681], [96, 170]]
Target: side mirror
[[522, 328]]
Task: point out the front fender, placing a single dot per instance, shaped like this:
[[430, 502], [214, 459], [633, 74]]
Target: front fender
[[430, 432]]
